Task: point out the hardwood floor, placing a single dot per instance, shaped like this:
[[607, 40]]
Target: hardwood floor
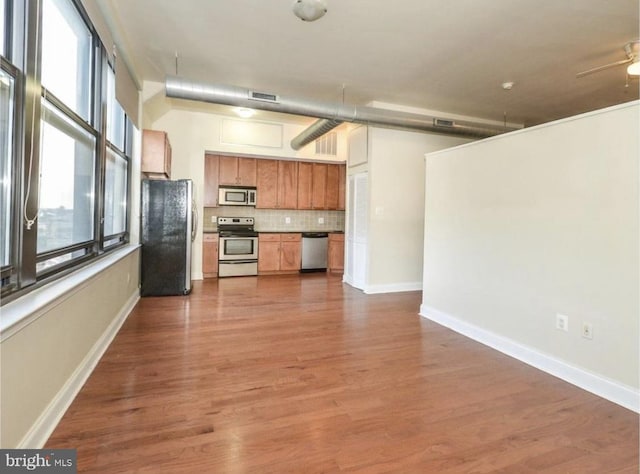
[[303, 374]]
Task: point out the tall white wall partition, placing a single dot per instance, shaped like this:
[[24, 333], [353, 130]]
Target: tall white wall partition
[[544, 221]]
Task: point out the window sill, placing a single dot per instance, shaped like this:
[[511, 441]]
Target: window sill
[[20, 313]]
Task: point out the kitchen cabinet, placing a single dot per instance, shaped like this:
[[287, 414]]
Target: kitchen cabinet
[[335, 256], [333, 185], [304, 185], [321, 186], [277, 184], [267, 184], [210, 255], [312, 185], [211, 171], [342, 186], [279, 253], [237, 171], [156, 154]]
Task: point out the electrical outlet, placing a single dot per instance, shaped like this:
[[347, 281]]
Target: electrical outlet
[[562, 322], [587, 330], [214, 219], [320, 220], [287, 220]]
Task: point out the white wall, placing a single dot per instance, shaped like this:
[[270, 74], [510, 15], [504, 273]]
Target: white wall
[[46, 360], [396, 209], [542, 221]]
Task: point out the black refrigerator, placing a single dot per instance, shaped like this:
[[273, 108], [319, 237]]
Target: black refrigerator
[[168, 223]]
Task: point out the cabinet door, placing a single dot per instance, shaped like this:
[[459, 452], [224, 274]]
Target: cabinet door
[[210, 255], [342, 186], [305, 171], [247, 171], [267, 184], [335, 255], [319, 186], [290, 252], [287, 184], [333, 186], [228, 173], [156, 158], [211, 170], [269, 252]]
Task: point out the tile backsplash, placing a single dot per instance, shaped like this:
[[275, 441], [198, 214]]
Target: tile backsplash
[[272, 220]]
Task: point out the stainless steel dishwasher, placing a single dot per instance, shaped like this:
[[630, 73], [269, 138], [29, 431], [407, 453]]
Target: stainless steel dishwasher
[[314, 251]]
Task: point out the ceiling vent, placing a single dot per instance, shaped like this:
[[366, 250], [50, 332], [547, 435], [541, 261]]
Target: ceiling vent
[[263, 97], [327, 144]]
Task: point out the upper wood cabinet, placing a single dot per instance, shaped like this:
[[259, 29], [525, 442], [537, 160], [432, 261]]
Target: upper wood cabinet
[[305, 178], [237, 171], [156, 154], [267, 184], [287, 184], [277, 184], [211, 171], [321, 186], [333, 185], [342, 186]]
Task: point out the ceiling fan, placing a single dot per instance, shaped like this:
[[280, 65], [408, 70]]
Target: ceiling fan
[[632, 50]]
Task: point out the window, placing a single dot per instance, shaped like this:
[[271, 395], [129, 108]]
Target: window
[[7, 109], [66, 56], [115, 115], [67, 181], [3, 28], [115, 195], [64, 171]]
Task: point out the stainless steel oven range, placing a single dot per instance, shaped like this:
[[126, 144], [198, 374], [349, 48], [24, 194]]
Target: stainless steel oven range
[[238, 248]]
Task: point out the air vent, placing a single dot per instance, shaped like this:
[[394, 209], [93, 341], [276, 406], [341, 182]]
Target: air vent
[[327, 144], [443, 123], [263, 96]]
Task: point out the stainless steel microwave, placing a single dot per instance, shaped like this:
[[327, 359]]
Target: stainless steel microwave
[[236, 196]]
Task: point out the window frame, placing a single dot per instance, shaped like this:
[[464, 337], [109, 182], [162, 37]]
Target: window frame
[[9, 271], [25, 28]]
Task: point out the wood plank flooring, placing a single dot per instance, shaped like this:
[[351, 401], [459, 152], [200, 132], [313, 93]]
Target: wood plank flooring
[[302, 374]]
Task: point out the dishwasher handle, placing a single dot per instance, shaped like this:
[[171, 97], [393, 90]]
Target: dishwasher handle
[[315, 235]]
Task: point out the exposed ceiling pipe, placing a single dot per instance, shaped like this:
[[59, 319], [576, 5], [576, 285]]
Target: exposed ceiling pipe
[[313, 132], [180, 88]]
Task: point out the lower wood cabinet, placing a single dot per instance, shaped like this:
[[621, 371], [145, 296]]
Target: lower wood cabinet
[[279, 253], [210, 255], [335, 257]]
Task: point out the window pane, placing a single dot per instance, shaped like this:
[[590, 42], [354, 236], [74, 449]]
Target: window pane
[[66, 55], [115, 114], [67, 164], [3, 6], [6, 154], [115, 195]]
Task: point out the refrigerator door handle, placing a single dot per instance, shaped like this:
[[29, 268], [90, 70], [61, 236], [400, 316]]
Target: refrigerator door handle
[[194, 222]]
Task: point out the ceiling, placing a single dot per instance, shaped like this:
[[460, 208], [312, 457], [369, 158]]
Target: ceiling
[[444, 56]]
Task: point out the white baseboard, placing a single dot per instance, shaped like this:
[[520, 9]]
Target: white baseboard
[[613, 391], [394, 287], [40, 431]]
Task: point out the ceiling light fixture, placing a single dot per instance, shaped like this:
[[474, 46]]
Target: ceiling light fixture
[[245, 112], [634, 67], [309, 10]]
